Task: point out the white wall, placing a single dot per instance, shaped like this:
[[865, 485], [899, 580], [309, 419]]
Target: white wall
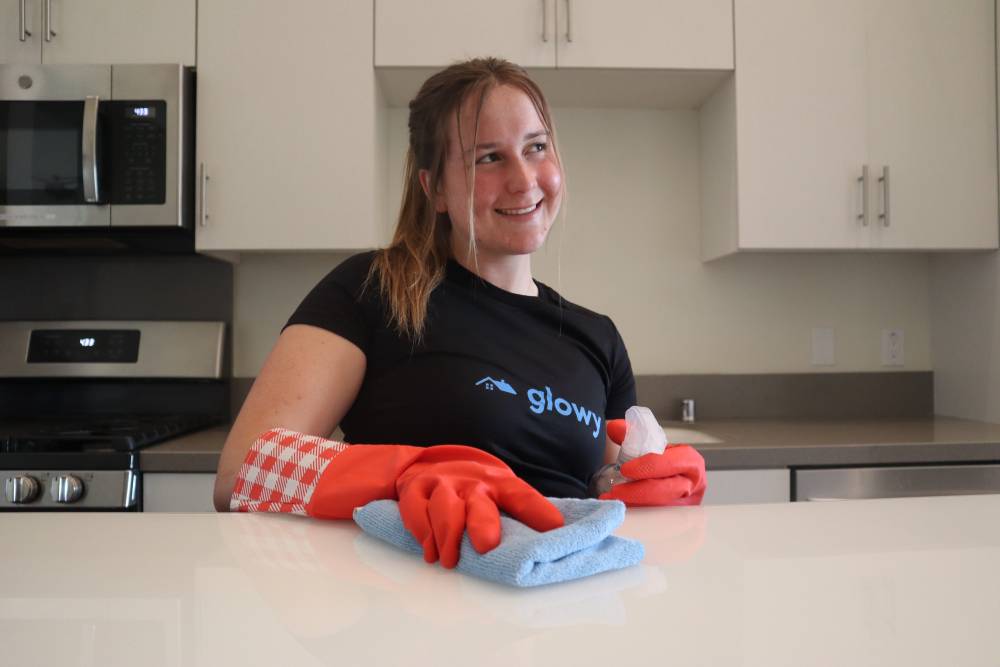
[[965, 309], [628, 246]]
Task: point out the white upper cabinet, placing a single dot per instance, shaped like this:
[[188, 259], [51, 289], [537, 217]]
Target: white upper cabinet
[[20, 32], [826, 92], [646, 34], [98, 31], [288, 147], [121, 31], [932, 120], [663, 34], [801, 121], [436, 34]]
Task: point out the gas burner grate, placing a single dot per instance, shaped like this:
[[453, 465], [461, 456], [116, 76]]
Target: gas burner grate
[[118, 434]]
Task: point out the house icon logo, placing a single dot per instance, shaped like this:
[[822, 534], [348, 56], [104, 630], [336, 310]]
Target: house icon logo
[[489, 384]]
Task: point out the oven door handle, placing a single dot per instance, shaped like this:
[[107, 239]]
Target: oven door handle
[[91, 188]]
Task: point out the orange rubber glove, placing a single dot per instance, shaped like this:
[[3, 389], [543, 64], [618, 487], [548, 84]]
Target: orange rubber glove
[[675, 477], [443, 491], [452, 489]]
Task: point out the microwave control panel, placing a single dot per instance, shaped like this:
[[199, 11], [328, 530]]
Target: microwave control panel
[[139, 151]]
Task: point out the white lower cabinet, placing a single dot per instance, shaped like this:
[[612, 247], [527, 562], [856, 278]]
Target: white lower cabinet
[[731, 487], [178, 492]]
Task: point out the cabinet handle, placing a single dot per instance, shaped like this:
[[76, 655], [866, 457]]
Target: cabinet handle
[[863, 180], [884, 181], [204, 187], [49, 32], [91, 186], [545, 21], [569, 29], [22, 21]]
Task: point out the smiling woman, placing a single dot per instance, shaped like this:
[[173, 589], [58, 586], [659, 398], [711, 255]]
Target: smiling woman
[[483, 185], [506, 150], [409, 344]]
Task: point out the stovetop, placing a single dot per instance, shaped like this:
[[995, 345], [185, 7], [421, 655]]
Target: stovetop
[[94, 435], [81, 463], [121, 433]]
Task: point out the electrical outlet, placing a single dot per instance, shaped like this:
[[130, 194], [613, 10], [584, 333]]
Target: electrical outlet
[[823, 347], [892, 347]]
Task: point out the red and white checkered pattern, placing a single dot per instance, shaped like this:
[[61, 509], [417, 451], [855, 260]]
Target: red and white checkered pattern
[[281, 470]]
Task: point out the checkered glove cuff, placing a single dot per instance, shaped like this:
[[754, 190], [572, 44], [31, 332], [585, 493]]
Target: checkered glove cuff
[[281, 470]]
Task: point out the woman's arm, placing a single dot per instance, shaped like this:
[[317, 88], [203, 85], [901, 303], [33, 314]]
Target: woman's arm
[[308, 383]]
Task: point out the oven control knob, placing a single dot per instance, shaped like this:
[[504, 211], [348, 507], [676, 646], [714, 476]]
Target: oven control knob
[[66, 488], [21, 489]]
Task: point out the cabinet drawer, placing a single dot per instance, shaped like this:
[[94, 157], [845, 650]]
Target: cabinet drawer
[[178, 492]]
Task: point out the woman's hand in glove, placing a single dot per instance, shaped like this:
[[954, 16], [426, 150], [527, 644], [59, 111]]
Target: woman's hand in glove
[[452, 489], [442, 490], [675, 477]]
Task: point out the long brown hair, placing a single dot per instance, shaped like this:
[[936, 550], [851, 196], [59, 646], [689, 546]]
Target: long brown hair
[[414, 263]]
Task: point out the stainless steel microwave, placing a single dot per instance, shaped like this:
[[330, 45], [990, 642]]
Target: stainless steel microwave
[[96, 152]]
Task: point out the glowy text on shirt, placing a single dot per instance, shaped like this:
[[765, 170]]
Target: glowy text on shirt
[[543, 400]]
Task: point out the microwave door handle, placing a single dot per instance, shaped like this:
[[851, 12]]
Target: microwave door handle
[[91, 191]]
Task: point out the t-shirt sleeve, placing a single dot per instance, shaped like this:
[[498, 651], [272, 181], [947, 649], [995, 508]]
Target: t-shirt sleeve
[[621, 390], [338, 304]]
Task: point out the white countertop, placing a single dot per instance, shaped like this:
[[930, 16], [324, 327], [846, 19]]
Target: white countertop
[[913, 581]]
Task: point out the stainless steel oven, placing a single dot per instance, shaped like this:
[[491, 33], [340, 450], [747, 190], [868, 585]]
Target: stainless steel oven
[[95, 148], [80, 399]]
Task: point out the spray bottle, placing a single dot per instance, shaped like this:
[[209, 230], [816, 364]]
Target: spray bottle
[[644, 436]]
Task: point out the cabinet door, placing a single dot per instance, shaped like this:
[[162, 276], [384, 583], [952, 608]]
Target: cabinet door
[[435, 34], [801, 114], [933, 122], [665, 34], [286, 126], [13, 51], [731, 487], [121, 31], [178, 492]]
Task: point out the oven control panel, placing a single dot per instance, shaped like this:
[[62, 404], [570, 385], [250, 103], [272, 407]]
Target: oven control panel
[[64, 489], [113, 349], [83, 346]]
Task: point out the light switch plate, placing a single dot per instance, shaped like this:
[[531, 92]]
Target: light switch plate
[[823, 347]]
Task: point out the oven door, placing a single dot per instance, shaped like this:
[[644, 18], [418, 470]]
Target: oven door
[[51, 155]]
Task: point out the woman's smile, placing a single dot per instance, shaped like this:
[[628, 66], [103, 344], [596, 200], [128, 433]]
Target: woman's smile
[[520, 213]]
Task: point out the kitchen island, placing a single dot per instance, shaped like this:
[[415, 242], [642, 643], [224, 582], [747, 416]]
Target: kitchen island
[[909, 581]]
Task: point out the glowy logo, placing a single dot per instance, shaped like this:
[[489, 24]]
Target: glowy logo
[[542, 401], [489, 384]]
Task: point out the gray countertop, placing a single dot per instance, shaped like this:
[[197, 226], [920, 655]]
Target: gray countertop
[[732, 444]]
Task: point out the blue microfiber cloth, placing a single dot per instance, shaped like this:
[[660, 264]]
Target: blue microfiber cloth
[[526, 557]]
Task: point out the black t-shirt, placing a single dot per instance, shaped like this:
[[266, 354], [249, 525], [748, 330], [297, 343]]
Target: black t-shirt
[[532, 380]]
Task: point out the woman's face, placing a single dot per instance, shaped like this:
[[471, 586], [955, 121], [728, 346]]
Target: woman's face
[[518, 182]]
